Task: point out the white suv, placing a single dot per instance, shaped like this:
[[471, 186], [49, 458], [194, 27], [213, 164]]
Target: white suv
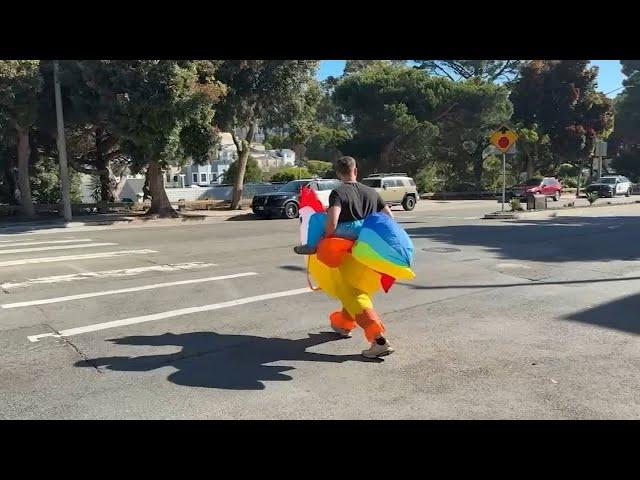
[[610, 186]]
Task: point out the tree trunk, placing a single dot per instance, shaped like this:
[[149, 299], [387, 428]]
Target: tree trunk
[[160, 205], [24, 153], [243, 149], [530, 171], [300, 151], [243, 156], [119, 184], [477, 171]]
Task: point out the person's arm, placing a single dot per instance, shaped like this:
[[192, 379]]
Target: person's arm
[[333, 214], [383, 207]]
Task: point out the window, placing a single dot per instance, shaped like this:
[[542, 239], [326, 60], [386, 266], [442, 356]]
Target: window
[[329, 185], [411, 182], [175, 178], [372, 182], [389, 183], [168, 177], [203, 177], [194, 177]]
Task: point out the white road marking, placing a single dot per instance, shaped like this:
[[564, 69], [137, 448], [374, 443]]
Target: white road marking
[[24, 244], [80, 296], [57, 247], [170, 314], [124, 272], [118, 253]]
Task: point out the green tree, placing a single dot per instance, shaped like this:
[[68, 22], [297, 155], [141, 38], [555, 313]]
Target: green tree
[[356, 66], [404, 119], [271, 91], [484, 70], [20, 86], [480, 108], [252, 172], [559, 99], [393, 114], [163, 115], [89, 103], [627, 122]]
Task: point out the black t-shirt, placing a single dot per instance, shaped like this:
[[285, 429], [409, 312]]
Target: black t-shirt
[[356, 201]]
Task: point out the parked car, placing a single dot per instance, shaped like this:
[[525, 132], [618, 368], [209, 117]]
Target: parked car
[[610, 186], [395, 189], [548, 186], [285, 200]]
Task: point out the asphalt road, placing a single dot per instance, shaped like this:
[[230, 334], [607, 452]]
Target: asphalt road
[[506, 319]]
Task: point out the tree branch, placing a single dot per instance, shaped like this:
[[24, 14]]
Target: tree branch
[[79, 168]]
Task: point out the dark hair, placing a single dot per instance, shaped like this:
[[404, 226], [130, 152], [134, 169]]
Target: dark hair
[[345, 165]]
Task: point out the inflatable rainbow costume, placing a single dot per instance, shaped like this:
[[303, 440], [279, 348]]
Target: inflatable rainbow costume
[[352, 271]]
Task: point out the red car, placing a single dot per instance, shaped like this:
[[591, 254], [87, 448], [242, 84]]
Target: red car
[[548, 186]]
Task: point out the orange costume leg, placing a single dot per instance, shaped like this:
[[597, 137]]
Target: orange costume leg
[[357, 304], [342, 319]]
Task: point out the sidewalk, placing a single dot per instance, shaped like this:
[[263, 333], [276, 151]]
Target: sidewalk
[[19, 225]]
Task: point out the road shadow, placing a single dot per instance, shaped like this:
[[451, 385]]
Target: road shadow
[[561, 240], [243, 217], [620, 314], [531, 283], [294, 268], [212, 360]]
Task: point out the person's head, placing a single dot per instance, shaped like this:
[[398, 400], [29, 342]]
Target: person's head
[[346, 169]]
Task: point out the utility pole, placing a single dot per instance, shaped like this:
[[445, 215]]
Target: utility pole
[[62, 147]]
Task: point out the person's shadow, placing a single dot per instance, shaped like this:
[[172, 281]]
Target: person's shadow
[[207, 359]]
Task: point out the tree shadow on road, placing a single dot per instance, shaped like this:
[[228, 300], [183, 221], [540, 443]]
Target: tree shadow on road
[[620, 314], [212, 360], [561, 240]]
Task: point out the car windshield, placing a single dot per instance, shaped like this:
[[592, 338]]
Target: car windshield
[[294, 186], [532, 181], [607, 180]]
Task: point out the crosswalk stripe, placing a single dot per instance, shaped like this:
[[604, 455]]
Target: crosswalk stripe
[[57, 247], [24, 244], [118, 253], [80, 296], [170, 314], [123, 272]]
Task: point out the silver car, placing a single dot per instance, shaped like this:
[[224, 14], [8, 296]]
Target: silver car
[[611, 185]]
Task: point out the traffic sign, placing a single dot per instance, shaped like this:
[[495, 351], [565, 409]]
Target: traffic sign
[[503, 139]]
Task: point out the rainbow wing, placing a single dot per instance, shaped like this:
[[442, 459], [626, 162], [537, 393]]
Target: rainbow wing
[[385, 247]]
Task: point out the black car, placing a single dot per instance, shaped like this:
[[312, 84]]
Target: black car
[[285, 201]]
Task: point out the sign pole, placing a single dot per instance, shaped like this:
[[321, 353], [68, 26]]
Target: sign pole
[[504, 177]]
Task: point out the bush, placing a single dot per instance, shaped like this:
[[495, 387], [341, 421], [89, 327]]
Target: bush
[[251, 174], [289, 174], [319, 168], [45, 183], [492, 174], [429, 180], [515, 204], [592, 197]]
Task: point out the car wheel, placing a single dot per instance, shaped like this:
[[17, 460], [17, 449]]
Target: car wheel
[[556, 196], [291, 210], [409, 203]]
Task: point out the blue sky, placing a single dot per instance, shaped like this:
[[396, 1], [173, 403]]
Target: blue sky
[[609, 77]]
